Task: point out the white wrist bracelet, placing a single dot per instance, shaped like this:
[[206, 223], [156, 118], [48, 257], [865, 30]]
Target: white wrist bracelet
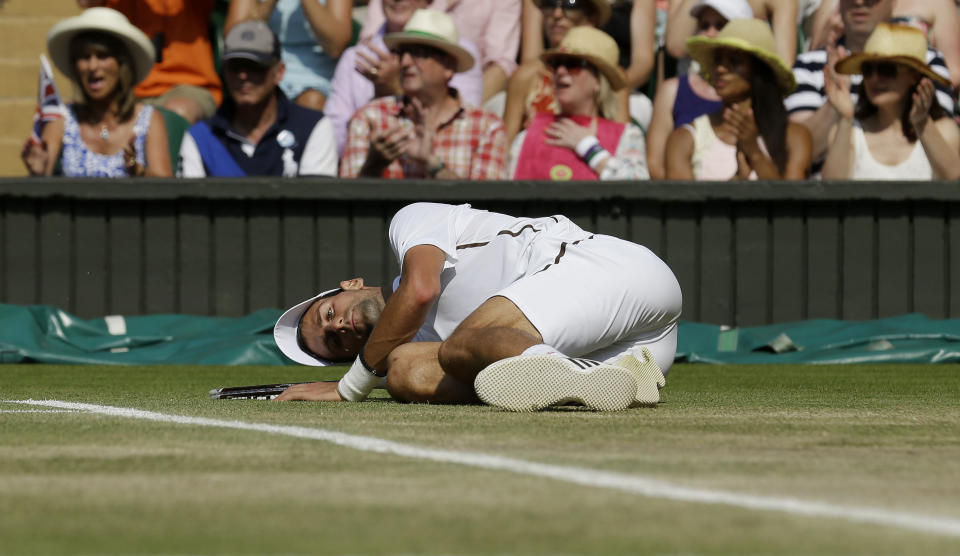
[[356, 385], [586, 144]]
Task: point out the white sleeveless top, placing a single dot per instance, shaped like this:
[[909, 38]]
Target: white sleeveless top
[[713, 160], [865, 167]]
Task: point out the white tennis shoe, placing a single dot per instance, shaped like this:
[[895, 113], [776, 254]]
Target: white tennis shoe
[[534, 382], [649, 377]]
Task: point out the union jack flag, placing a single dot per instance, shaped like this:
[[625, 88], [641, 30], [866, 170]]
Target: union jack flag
[[49, 105]]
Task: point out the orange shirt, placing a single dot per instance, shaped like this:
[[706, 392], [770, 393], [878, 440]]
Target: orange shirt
[[187, 54]]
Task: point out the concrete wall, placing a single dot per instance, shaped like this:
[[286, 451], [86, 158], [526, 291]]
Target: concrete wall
[[745, 254]]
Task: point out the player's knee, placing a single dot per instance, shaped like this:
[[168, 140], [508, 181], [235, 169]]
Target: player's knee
[[403, 383], [451, 353]]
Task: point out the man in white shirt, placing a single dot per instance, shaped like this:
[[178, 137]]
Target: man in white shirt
[[498, 308]]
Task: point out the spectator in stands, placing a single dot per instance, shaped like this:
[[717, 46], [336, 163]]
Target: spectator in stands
[[257, 131], [938, 19], [582, 141], [732, 143], [530, 91], [896, 130], [106, 132], [183, 78], [492, 25], [369, 70], [780, 14], [426, 132], [312, 33], [680, 100], [808, 104], [632, 23]]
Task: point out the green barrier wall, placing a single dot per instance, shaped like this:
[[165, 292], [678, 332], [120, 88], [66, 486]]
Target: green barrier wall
[[746, 254]]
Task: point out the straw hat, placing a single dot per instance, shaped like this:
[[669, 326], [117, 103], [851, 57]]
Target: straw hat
[[601, 7], [102, 20], [436, 29], [901, 44], [752, 36], [596, 47]]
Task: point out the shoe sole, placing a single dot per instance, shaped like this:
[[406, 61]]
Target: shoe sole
[[532, 383], [649, 378]]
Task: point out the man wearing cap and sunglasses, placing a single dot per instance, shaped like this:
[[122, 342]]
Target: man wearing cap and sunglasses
[[427, 131], [257, 131], [492, 307]]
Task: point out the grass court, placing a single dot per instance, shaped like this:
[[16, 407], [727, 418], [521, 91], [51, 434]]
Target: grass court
[[735, 460]]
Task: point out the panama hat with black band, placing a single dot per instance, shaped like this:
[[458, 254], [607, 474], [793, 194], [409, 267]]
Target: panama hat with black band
[[100, 20], [434, 29], [900, 44]]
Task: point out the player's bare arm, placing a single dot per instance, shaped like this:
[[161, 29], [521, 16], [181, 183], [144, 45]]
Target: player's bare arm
[[405, 312], [407, 308]]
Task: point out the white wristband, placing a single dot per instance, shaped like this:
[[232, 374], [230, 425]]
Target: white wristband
[[586, 144], [356, 385], [598, 159]]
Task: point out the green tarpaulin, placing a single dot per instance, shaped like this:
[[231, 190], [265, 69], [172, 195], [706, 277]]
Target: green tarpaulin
[[48, 335]]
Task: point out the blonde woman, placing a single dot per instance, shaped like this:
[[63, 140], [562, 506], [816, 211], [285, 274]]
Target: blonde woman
[[896, 129], [583, 140]]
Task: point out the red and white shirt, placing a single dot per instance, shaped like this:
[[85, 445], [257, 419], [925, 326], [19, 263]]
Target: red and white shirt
[[472, 143]]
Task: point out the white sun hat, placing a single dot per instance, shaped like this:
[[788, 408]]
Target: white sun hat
[[286, 333], [101, 20], [436, 29]]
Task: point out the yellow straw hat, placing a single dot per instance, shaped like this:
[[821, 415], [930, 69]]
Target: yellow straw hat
[[596, 47], [752, 36], [601, 7], [901, 44]]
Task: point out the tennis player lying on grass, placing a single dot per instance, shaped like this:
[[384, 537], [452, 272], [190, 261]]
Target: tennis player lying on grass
[[498, 308]]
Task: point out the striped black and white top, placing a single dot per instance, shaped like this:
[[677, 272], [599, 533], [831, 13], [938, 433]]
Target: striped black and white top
[[810, 93]]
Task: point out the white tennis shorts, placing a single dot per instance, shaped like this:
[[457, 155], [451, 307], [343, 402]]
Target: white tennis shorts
[[600, 298]]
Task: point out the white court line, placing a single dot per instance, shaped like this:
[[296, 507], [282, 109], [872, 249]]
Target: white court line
[[37, 411], [577, 475]]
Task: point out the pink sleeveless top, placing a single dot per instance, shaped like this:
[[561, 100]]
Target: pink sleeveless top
[[540, 161]]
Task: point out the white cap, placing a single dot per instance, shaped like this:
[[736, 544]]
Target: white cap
[[730, 9], [286, 332]]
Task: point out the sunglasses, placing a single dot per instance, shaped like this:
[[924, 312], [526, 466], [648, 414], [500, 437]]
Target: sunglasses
[[574, 64], [418, 51], [571, 8], [888, 70]]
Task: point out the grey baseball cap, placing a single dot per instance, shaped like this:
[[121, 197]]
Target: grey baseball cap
[[252, 40]]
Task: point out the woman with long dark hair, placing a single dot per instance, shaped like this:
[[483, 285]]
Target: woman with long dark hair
[[106, 132], [895, 129], [750, 136]]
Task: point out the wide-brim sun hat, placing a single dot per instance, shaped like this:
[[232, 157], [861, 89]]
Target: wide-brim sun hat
[[286, 333], [888, 42], [602, 7], [436, 29], [752, 36], [102, 20], [596, 47]]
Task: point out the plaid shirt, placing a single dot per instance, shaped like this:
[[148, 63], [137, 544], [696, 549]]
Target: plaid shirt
[[472, 143]]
